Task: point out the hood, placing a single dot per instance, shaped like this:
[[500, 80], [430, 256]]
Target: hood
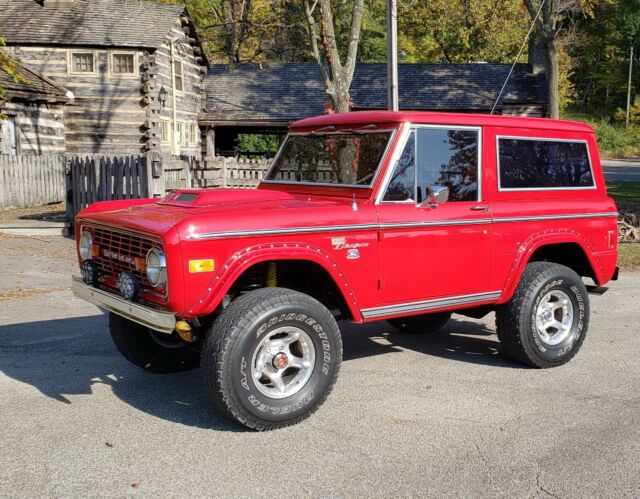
[[193, 211]]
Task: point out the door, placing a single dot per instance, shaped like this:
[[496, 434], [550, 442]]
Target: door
[[428, 250], [9, 138]]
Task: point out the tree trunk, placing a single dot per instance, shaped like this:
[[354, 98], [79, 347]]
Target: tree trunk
[[552, 79]]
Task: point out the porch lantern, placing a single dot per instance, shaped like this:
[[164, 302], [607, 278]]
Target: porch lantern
[[162, 95]]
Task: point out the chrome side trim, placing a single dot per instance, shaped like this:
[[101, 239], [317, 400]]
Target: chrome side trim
[[164, 322], [290, 230], [369, 313], [540, 218], [398, 225]]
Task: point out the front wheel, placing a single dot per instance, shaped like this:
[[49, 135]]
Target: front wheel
[[271, 358], [545, 322]]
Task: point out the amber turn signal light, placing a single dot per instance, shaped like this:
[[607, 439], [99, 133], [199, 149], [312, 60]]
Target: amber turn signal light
[[196, 266]]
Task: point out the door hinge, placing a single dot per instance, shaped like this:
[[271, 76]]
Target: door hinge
[[380, 283]]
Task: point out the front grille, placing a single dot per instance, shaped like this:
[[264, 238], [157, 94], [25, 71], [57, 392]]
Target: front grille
[[119, 252]]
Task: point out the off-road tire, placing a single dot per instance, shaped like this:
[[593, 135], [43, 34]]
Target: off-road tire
[[163, 353], [516, 319], [421, 324], [232, 342]]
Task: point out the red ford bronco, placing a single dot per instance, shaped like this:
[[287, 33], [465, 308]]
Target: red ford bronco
[[367, 216]]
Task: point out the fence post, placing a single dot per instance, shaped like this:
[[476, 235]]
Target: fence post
[[68, 181], [224, 173]]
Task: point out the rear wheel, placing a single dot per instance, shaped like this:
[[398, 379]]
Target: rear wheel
[[271, 358], [151, 350], [545, 322], [418, 324]]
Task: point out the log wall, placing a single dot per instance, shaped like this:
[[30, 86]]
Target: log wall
[[40, 126]]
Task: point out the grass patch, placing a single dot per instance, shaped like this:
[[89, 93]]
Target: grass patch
[[626, 194], [614, 140], [629, 256]]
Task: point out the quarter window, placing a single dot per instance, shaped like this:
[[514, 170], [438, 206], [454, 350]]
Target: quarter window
[[437, 156], [543, 164], [403, 180], [83, 62], [122, 64]]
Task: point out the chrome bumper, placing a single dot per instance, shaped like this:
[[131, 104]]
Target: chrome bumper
[[164, 322]]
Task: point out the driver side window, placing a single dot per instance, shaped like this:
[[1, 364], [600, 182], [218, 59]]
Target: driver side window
[[436, 156]]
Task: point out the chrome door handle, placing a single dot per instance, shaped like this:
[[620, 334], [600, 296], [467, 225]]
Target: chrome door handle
[[479, 207]]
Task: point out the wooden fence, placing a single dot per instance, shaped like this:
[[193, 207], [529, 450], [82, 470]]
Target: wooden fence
[[229, 172], [31, 180], [93, 179]]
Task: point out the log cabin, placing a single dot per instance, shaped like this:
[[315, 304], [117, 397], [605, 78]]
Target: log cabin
[[134, 71]]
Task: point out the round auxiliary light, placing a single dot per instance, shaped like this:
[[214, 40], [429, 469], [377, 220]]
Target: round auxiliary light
[[156, 268], [128, 286], [89, 271], [86, 241]]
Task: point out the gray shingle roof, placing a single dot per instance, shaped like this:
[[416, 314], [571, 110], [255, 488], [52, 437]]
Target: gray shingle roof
[[34, 86], [286, 92], [97, 23]]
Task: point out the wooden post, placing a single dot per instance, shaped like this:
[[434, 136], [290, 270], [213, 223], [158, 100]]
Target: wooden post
[[210, 143], [224, 172], [629, 86]]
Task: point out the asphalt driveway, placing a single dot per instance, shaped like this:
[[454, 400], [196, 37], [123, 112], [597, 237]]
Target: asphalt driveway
[[444, 415]]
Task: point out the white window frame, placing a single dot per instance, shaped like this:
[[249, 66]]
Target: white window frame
[[193, 134], [176, 76], [72, 52], [398, 153], [543, 139], [165, 139], [180, 134], [136, 69]]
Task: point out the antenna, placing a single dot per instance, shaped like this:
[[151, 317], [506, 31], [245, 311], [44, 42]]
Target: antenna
[[504, 85]]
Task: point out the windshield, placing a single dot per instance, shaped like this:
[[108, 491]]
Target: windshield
[[336, 158]]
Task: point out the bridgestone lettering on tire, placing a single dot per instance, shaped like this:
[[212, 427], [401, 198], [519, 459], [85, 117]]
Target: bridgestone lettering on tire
[[150, 350], [545, 322], [271, 358]]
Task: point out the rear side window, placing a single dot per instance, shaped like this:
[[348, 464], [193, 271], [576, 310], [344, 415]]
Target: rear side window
[[543, 164]]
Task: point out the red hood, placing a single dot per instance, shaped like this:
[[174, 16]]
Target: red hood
[[202, 211]]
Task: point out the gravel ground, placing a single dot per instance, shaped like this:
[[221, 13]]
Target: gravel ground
[[443, 415]]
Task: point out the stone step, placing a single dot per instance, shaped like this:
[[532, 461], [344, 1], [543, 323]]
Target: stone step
[[19, 227]]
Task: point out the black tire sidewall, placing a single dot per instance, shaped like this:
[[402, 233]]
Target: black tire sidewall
[[575, 290], [327, 351]]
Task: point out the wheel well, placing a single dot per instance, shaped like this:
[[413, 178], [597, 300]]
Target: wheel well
[[568, 254], [300, 275]]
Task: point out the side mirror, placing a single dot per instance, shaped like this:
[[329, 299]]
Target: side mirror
[[436, 194]]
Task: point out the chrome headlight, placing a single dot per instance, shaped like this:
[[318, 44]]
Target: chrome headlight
[[156, 268], [84, 246]]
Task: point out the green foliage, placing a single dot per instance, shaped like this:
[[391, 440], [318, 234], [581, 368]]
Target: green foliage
[[258, 144], [601, 55], [614, 140]]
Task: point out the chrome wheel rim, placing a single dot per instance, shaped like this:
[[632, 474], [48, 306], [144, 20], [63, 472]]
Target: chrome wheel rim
[[283, 362], [554, 317]]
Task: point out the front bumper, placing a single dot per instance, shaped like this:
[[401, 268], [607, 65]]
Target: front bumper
[[164, 322]]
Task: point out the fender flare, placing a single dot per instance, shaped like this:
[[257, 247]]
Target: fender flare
[[249, 256], [545, 238]]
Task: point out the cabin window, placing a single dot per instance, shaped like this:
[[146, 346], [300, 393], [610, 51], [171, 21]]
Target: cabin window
[[123, 64], [83, 62], [165, 136], [178, 77], [193, 134], [180, 133], [533, 164]]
